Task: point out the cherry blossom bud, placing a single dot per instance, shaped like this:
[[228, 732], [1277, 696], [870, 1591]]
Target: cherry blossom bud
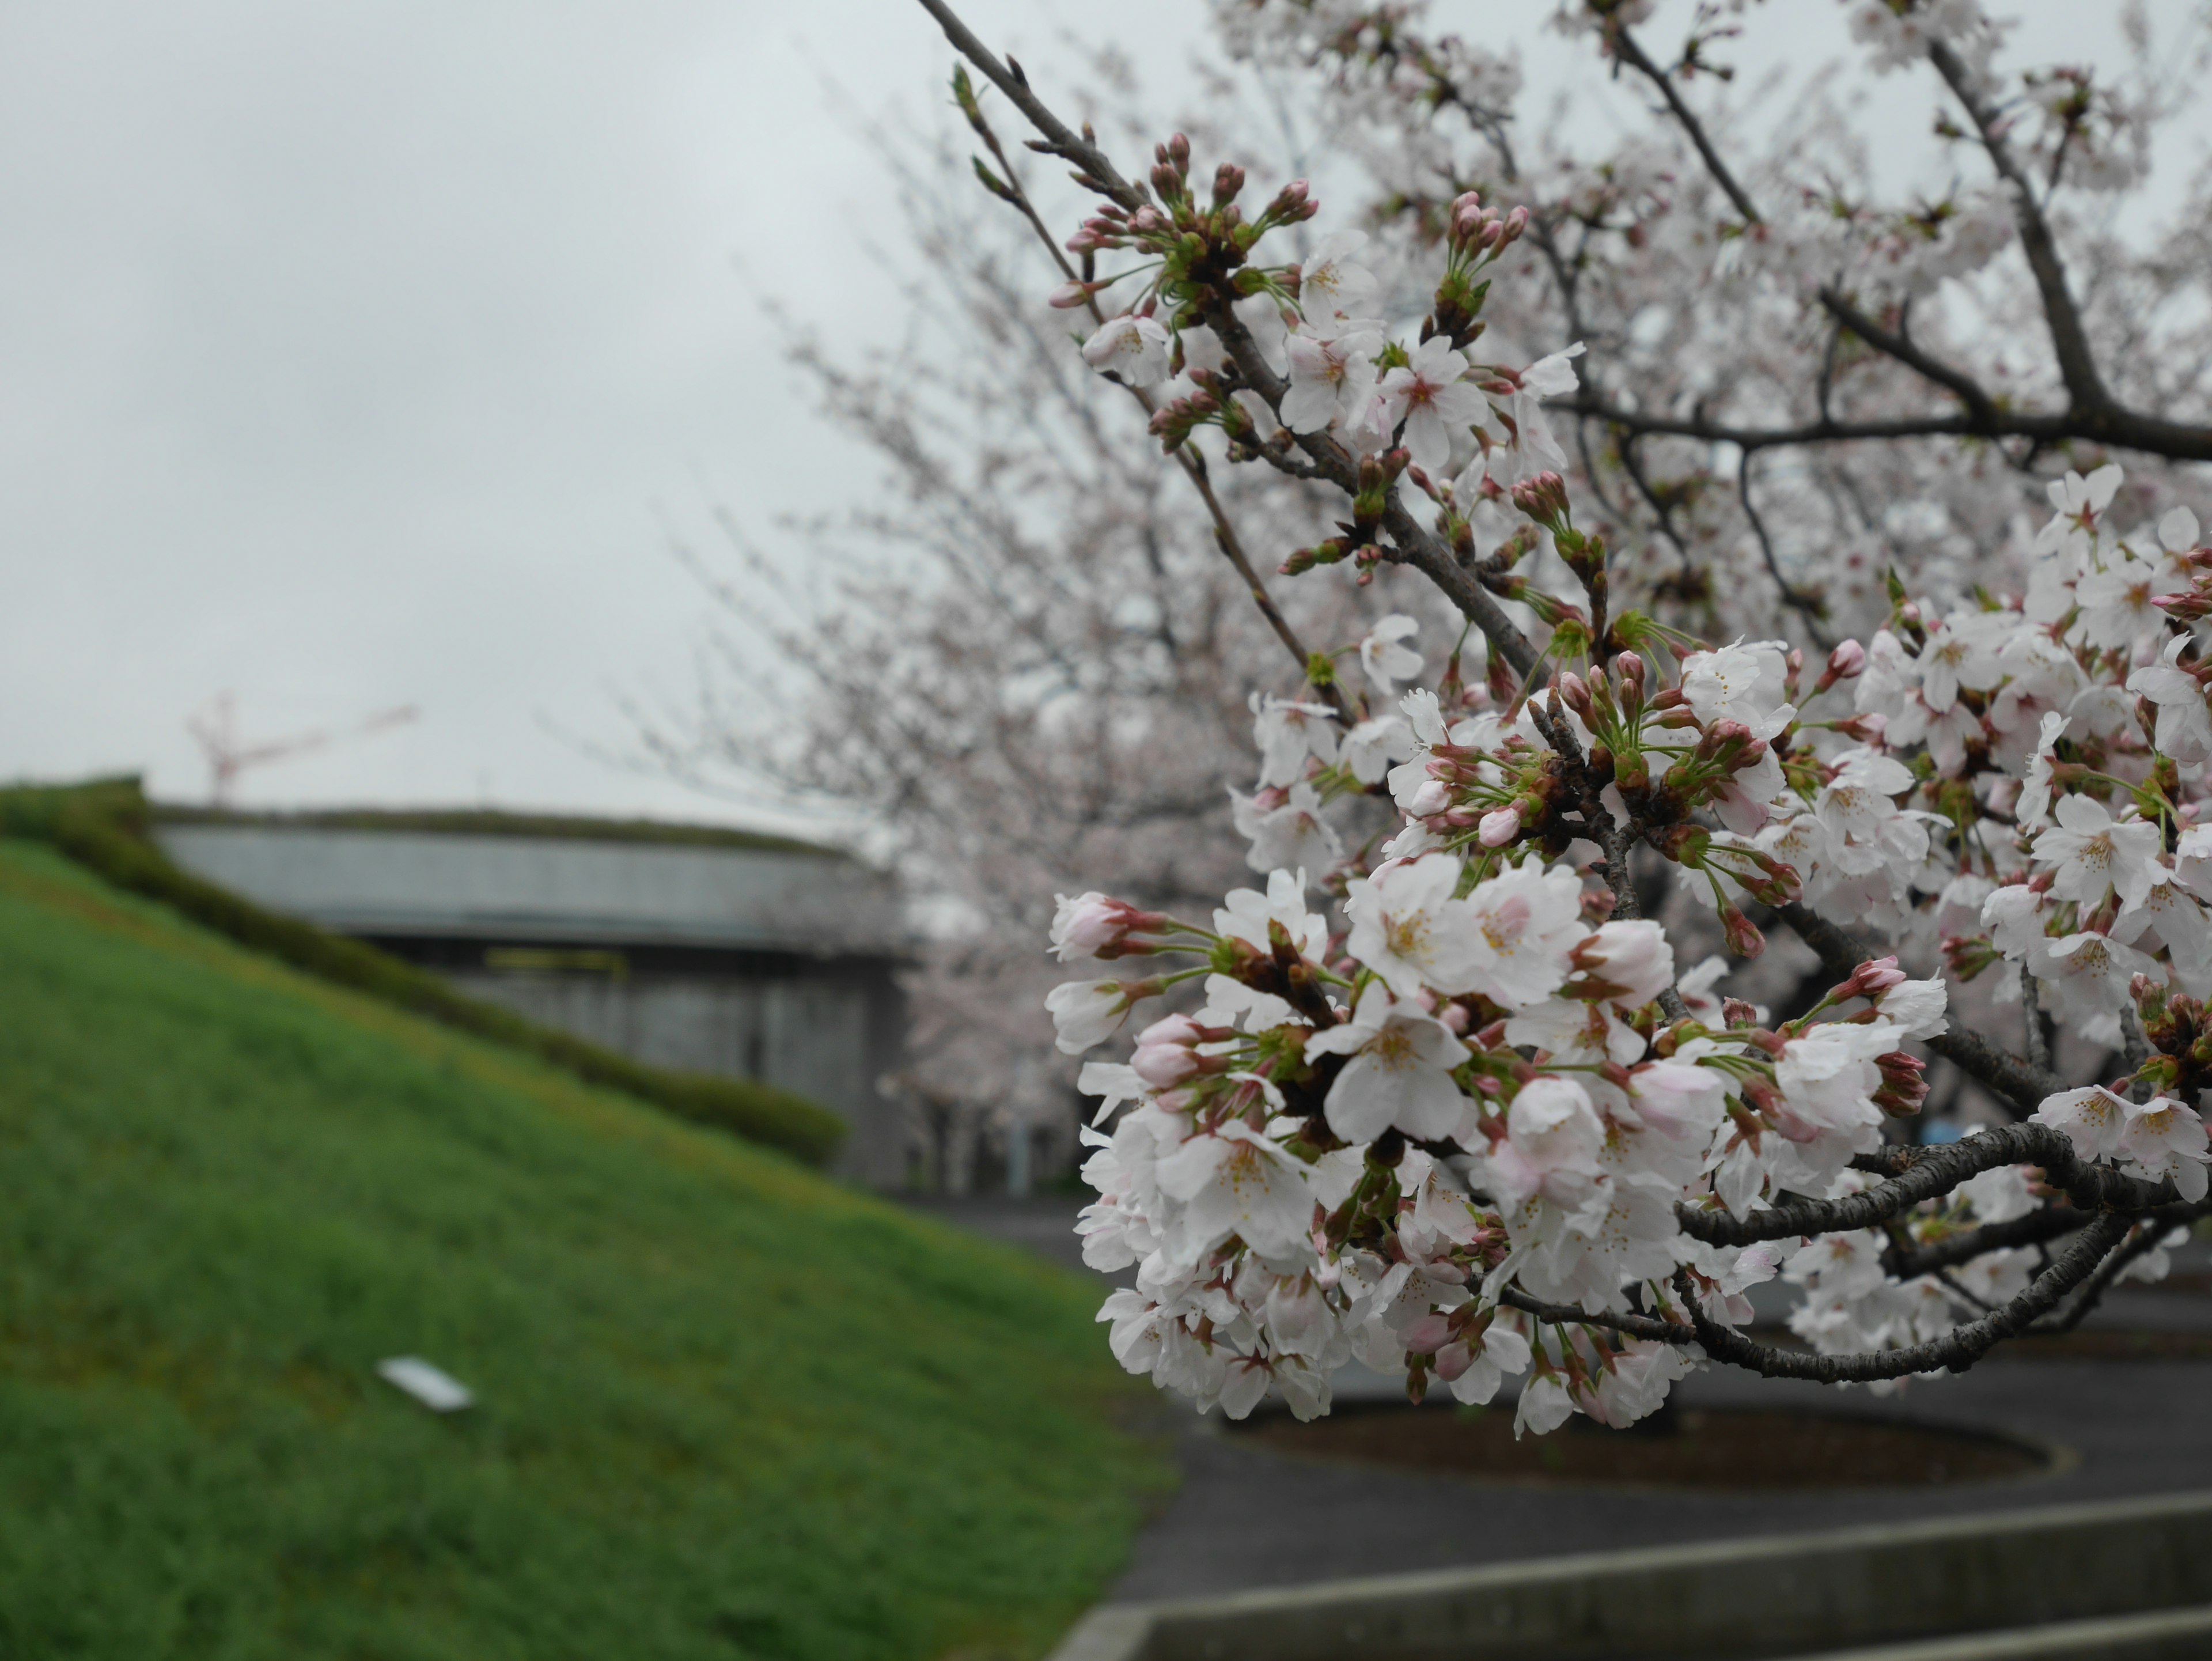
[[1499, 827], [1165, 1055], [1869, 980], [1575, 693], [1431, 798], [1735, 1013], [1903, 1089], [1543, 498], [1094, 925], [1743, 936], [1846, 662], [1969, 954]]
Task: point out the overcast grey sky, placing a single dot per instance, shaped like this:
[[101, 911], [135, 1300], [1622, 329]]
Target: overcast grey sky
[[354, 354]]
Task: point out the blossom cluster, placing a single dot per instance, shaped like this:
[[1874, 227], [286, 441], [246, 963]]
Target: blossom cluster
[[1439, 1102]]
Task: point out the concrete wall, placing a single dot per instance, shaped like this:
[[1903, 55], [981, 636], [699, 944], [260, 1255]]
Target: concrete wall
[[2076, 1583], [829, 1033]]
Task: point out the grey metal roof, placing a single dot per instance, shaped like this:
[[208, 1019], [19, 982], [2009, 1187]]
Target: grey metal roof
[[548, 888]]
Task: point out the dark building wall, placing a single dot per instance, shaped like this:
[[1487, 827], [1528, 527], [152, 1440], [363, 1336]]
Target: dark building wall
[[831, 1033]]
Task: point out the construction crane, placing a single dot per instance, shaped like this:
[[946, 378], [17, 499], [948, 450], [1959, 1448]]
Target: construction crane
[[215, 727]]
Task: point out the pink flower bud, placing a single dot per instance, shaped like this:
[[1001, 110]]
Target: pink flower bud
[[1095, 925], [1743, 936], [1500, 827], [1431, 799], [1846, 662], [1903, 1088], [1164, 1055], [1069, 296], [1870, 980]]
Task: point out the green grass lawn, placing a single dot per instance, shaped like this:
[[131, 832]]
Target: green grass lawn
[[726, 1408]]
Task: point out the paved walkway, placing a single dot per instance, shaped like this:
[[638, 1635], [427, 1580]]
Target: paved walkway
[[1249, 1516]]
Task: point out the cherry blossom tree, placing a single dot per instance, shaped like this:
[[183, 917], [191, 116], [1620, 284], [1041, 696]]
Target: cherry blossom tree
[[1438, 1096]]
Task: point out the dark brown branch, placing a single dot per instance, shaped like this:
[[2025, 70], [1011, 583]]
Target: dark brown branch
[[2120, 428], [1928, 1173], [1630, 52], [2018, 1080], [2035, 1228], [1901, 346], [1954, 1351], [1634, 1326], [1419, 546], [2060, 1322], [2077, 366], [1095, 170]]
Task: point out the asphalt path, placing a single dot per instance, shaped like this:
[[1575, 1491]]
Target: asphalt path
[[1252, 1516]]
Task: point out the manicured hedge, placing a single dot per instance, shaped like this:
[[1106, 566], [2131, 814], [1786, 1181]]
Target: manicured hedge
[[104, 826]]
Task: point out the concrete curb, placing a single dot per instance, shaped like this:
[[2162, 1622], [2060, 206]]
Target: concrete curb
[[2162, 1635], [1962, 1580]]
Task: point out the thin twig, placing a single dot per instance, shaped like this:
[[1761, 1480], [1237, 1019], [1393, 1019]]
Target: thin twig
[[1625, 47], [1806, 607]]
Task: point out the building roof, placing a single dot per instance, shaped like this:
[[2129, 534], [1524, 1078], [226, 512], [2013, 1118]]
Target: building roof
[[494, 822], [508, 876]]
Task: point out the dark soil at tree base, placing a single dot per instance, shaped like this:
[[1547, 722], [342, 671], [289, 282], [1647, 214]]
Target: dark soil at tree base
[[1727, 1448]]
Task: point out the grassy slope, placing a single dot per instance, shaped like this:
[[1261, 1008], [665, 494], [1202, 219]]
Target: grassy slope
[[728, 1409]]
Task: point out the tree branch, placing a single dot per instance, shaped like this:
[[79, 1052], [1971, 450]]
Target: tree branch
[[2077, 366], [2018, 1080], [1096, 171], [2120, 428], [1955, 1350], [1901, 346], [1803, 603], [1634, 1326], [1627, 50], [2046, 1223]]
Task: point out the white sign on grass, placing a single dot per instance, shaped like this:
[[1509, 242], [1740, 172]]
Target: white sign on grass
[[434, 1388]]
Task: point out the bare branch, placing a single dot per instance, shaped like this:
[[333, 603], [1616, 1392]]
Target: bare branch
[[1630, 52], [1193, 466], [1800, 602], [1901, 346], [1096, 171], [1928, 1173], [2120, 428], [2047, 1223], [2077, 366]]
